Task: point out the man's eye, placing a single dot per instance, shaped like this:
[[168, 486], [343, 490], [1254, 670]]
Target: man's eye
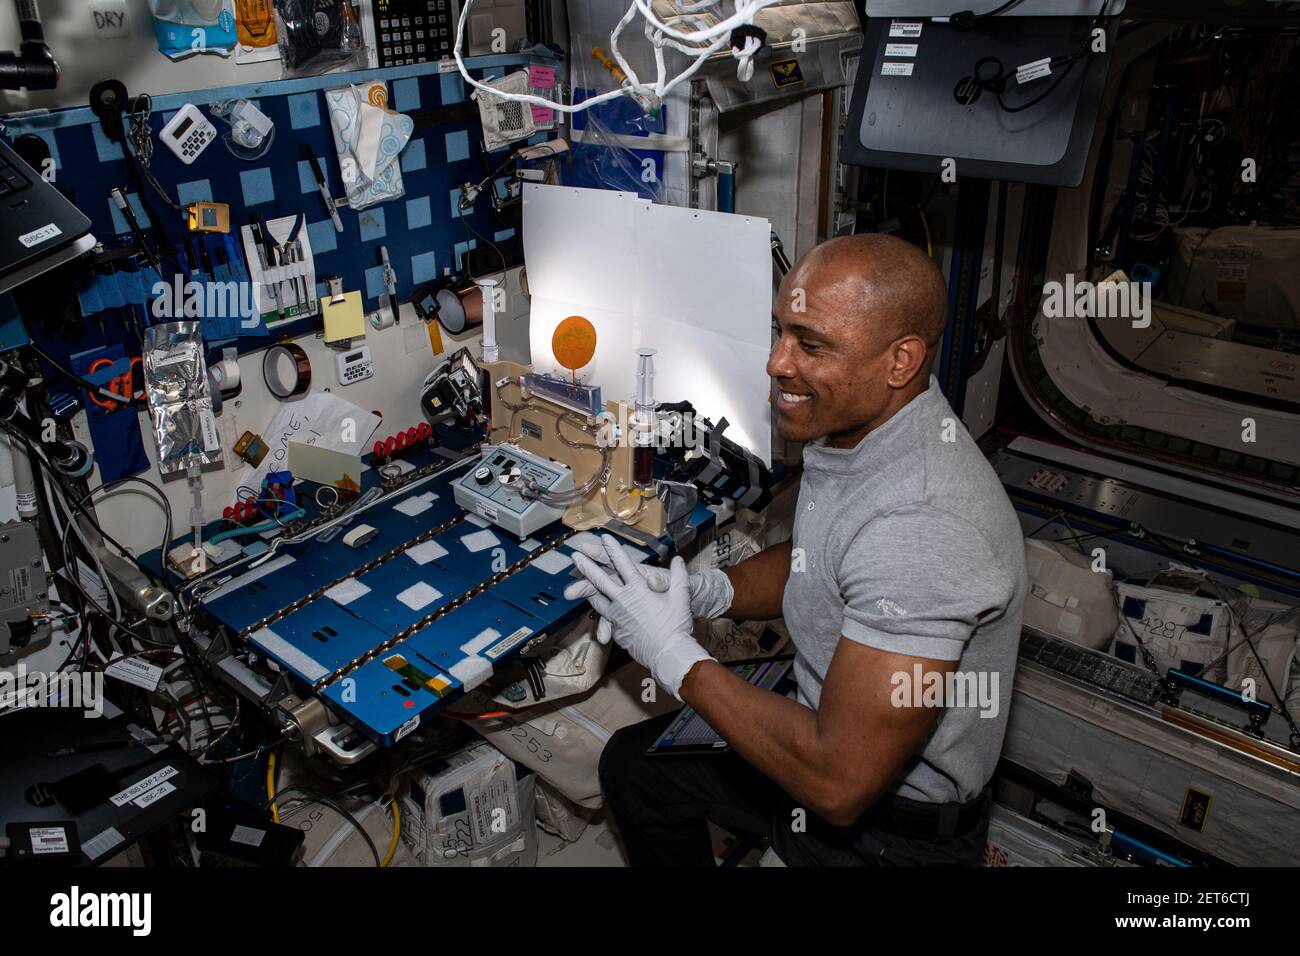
[[808, 346]]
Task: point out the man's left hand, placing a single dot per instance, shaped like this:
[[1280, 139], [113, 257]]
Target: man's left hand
[[654, 627]]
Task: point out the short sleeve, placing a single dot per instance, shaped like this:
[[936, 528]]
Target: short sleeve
[[919, 582]]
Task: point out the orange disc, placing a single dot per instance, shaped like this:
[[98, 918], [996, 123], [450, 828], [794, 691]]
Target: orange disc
[[574, 342]]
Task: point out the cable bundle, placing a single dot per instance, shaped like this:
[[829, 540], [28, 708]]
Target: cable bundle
[[700, 43]]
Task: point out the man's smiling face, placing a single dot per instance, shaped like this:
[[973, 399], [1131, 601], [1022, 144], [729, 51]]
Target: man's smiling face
[[830, 372]]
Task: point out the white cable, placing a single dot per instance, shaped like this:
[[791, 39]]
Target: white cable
[[518, 97], [701, 43], [76, 529]]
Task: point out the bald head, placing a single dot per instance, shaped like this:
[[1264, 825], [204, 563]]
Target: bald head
[[860, 320], [892, 287]]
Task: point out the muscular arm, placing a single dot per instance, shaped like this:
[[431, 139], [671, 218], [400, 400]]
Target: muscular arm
[[759, 584], [838, 759]]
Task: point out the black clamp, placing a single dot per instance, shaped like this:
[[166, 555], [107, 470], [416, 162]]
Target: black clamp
[[743, 32]]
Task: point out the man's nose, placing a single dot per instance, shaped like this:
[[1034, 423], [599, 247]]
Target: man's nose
[[779, 364]]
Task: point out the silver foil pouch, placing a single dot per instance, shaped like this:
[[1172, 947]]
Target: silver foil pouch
[[180, 401]]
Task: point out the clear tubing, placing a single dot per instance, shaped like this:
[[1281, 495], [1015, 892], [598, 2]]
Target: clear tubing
[[625, 518], [579, 493], [196, 510]]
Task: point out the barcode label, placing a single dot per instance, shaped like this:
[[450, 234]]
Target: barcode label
[[909, 29], [49, 840], [133, 670], [20, 584]]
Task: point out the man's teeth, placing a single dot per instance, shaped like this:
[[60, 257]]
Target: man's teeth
[[793, 399]]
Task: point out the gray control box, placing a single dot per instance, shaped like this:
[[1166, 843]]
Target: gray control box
[[484, 491]]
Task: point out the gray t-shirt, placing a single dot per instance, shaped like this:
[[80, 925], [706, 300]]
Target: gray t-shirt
[[908, 544]]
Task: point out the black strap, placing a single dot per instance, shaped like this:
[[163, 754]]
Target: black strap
[[927, 821]]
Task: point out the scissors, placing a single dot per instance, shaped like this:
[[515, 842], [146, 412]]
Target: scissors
[[122, 385]]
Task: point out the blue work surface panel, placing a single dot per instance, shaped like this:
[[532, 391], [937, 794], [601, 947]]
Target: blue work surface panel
[[389, 697], [399, 593], [258, 593], [317, 640], [356, 612]]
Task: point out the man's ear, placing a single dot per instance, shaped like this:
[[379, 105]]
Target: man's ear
[[910, 354]]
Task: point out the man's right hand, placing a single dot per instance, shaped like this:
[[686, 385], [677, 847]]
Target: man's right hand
[[711, 590]]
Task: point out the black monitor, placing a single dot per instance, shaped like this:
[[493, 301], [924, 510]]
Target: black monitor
[[917, 100]]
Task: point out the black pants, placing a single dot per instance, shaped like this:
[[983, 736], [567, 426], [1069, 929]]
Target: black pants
[[662, 806]]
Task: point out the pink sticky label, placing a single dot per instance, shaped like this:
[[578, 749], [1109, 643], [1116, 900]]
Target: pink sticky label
[[541, 77], [542, 114]]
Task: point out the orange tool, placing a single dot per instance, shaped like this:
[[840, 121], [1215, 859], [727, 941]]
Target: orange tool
[[122, 385]]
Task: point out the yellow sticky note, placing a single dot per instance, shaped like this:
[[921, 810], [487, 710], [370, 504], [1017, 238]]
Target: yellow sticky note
[[325, 466], [343, 320]]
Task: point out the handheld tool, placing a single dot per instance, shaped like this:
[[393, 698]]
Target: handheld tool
[[330, 206], [265, 255]]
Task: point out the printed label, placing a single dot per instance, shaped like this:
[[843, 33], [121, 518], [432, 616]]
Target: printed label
[[503, 645], [495, 793], [141, 787], [910, 29], [900, 49], [1035, 70], [20, 584], [133, 670], [43, 234], [211, 440], [407, 727], [49, 840], [183, 354], [248, 836], [889, 68], [154, 795]]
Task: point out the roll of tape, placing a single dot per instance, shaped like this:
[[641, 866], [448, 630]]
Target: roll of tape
[[295, 384], [226, 374], [214, 389], [359, 535], [381, 319]]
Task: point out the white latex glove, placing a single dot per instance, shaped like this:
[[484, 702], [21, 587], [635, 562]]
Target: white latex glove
[[711, 590], [653, 626]]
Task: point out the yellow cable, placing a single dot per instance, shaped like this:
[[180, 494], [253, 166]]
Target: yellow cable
[[397, 832], [270, 787], [925, 224]]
